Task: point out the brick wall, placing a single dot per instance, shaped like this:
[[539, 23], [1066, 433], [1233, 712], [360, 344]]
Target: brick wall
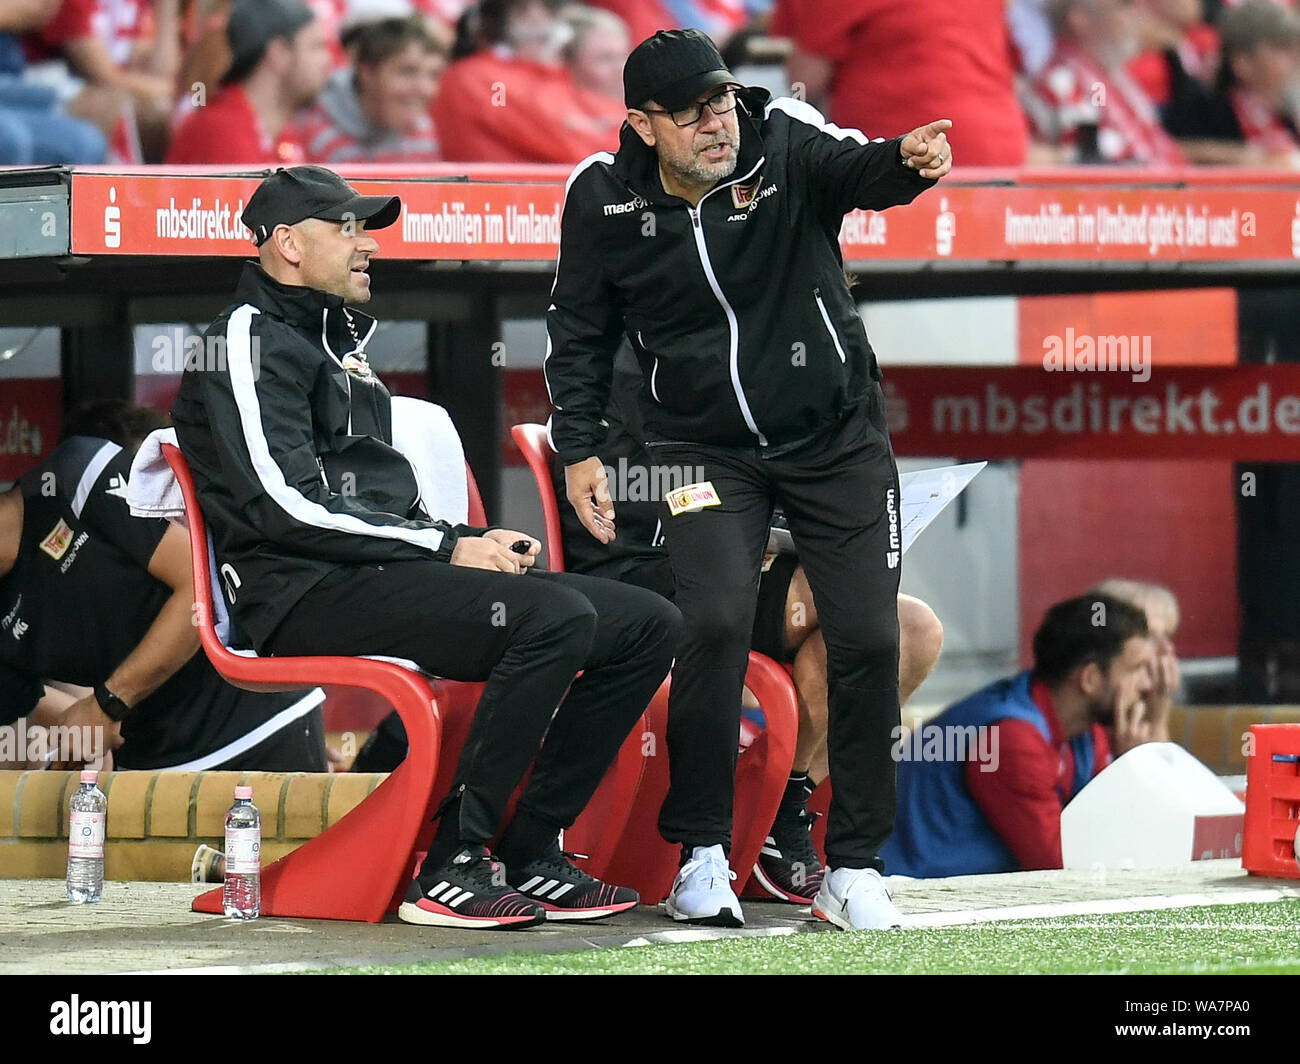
[[156, 820]]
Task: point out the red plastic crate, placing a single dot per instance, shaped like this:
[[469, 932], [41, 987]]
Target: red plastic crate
[[1272, 801]]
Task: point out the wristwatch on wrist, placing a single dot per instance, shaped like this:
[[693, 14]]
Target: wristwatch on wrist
[[114, 708]]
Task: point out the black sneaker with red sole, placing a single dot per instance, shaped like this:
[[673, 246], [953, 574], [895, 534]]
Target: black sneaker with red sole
[[788, 867], [470, 890], [566, 892]]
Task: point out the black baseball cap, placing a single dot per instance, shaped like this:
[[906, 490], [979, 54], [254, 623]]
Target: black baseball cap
[[253, 24], [672, 68], [291, 194]]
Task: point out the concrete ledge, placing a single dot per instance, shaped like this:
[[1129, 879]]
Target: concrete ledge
[[156, 820]]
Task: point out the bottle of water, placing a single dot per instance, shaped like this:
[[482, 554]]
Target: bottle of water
[[242, 894], [86, 822]]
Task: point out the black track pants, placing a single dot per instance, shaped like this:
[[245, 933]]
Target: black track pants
[[527, 636], [840, 493]]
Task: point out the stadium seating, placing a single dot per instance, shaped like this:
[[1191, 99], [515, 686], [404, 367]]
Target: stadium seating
[[356, 869], [535, 444], [640, 858], [598, 832]]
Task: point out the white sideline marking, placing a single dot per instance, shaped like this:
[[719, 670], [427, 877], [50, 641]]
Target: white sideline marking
[[706, 934], [1149, 925], [1146, 903]]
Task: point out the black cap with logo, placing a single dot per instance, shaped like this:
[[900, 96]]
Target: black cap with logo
[[672, 68], [293, 194], [253, 24]]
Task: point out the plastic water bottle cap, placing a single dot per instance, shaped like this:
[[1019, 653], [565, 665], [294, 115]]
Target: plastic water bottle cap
[[89, 775], [243, 792]]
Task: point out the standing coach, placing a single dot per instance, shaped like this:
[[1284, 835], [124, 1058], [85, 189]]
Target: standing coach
[[711, 240]]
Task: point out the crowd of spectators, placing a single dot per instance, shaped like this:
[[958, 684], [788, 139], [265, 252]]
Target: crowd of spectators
[[1047, 82]]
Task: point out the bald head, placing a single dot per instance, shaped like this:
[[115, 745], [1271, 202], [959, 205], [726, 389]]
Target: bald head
[[331, 257]]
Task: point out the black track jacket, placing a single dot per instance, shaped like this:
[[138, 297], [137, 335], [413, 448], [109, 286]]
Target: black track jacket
[[737, 310], [291, 452]]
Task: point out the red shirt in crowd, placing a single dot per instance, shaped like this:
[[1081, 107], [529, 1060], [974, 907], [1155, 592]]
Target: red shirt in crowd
[[1197, 51], [1261, 125], [1023, 799], [228, 130], [718, 18], [445, 12], [900, 65], [119, 23], [497, 109], [1073, 90]]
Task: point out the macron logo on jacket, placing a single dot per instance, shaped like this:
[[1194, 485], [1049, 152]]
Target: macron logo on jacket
[[634, 204]]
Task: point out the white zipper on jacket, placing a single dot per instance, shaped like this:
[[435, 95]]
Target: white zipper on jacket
[[817, 295], [347, 377], [347, 380], [732, 324], [654, 370]]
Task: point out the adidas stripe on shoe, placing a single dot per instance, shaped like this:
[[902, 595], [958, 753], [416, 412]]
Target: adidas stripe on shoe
[[788, 867], [566, 892], [470, 890]]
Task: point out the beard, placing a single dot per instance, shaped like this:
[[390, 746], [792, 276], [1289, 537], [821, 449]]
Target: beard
[[1105, 709], [1102, 713], [694, 171]]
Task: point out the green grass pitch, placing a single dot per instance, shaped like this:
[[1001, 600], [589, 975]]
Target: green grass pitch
[[1254, 938]]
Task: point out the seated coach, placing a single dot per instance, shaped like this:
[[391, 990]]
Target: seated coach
[[326, 547]]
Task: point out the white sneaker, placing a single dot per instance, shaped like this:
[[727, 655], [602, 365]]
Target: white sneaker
[[702, 891], [856, 899]]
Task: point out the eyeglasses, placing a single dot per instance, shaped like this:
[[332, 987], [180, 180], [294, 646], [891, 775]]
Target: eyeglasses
[[719, 103]]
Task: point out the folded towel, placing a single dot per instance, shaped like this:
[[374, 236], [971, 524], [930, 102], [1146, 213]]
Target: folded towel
[[424, 433], [152, 490]]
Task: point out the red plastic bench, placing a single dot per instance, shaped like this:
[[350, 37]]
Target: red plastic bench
[[358, 868], [626, 847]]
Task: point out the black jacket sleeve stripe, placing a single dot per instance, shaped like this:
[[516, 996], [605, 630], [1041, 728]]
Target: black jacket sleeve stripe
[[583, 325], [300, 509], [846, 168], [91, 473]]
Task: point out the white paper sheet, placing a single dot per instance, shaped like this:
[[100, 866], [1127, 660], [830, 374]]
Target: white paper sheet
[[925, 494]]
